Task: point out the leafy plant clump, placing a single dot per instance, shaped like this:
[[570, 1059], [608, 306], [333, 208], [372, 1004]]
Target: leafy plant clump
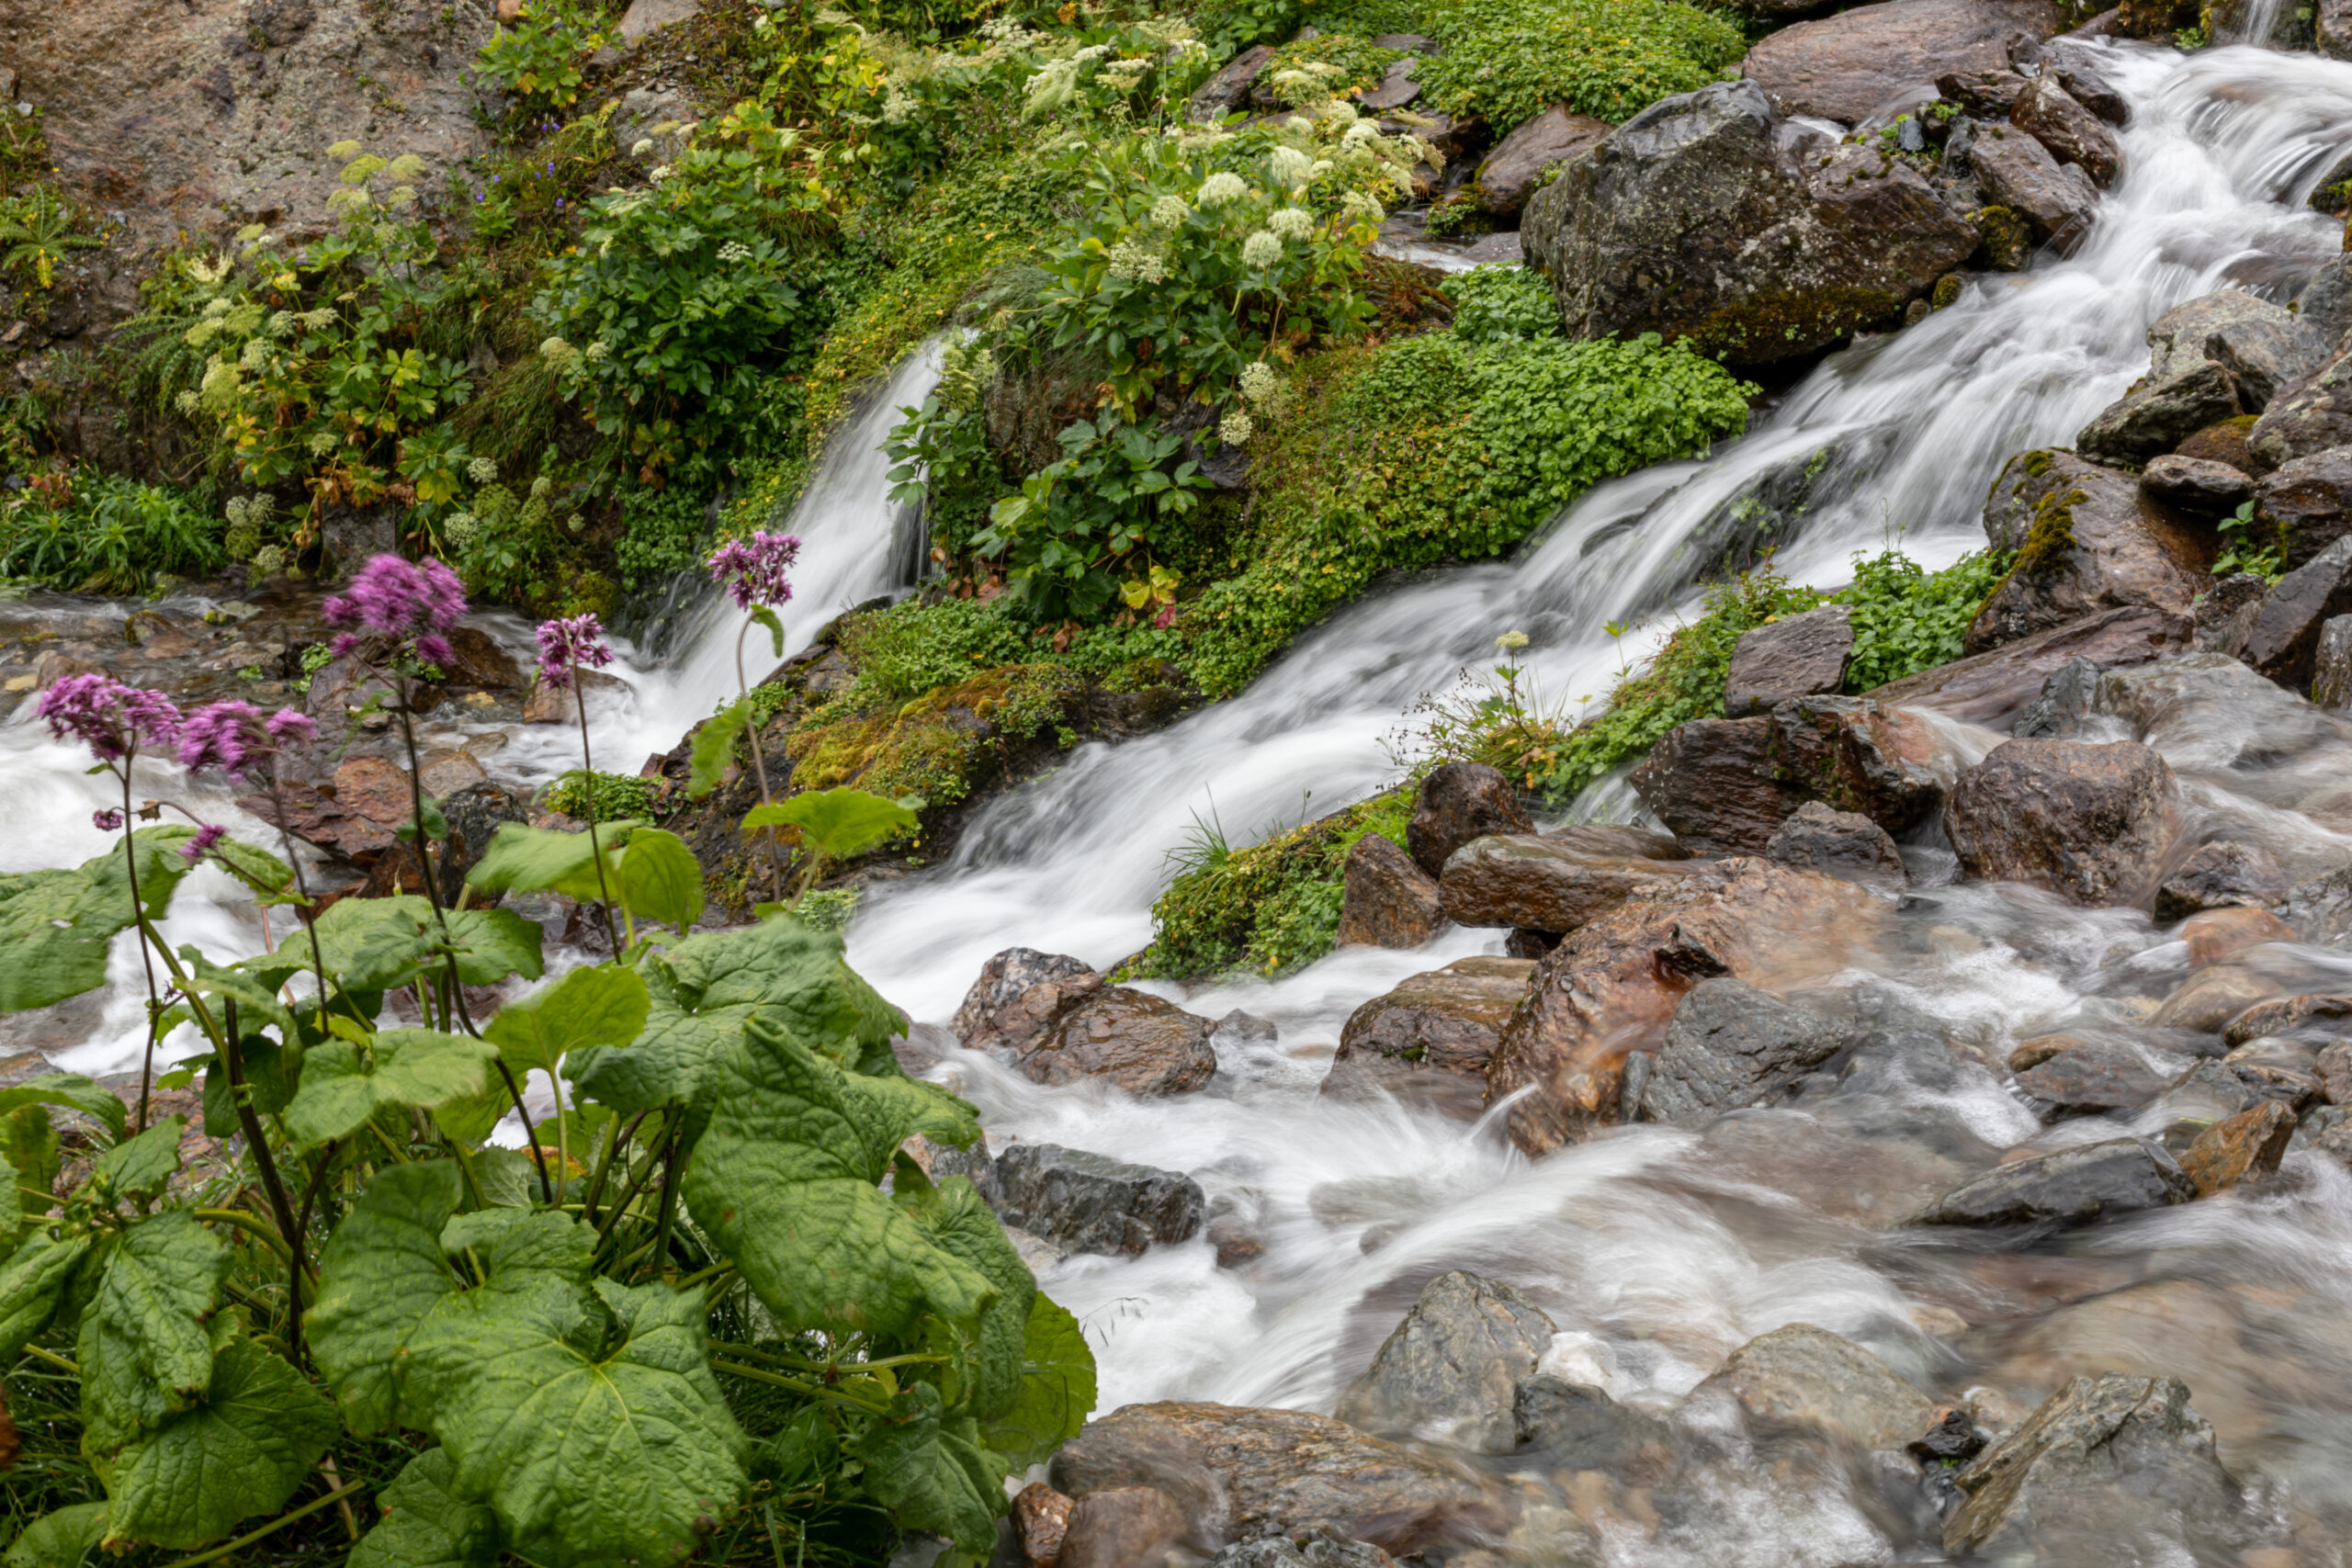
[[612, 796], [89, 532], [1908, 619], [1501, 304]]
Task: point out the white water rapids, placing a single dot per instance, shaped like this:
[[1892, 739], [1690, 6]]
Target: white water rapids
[[1669, 1250]]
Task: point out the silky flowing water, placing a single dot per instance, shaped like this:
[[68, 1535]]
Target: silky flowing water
[[1666, 1249]]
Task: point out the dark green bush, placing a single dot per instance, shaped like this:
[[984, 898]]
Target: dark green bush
[[1501, 304], [1908, 619], [108, 535]]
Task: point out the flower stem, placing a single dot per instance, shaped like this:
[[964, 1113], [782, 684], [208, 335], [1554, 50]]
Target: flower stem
[[759, 763], [146, 963], [595, 851]]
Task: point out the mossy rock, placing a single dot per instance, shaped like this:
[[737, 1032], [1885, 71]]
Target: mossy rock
[[2005, 240]]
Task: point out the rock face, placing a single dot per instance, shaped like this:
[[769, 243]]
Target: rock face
[[1020, 993], [1850, 66], [1989, 688], [2076, 1481], [2284, 642], [1229, 90], [1459, 802], [2248, 1144], [1243, 1475], [2097, 1076], [2207, 358], [2088, 822], [2071, 1187], [1729, 1045], [2332, 665], [1809, 1380], [1510, 174], [1385, 899], [1555, 882], [2018, 174], [1120, 1528], [1428, 1041], [2047, 112], [1448, 1368], [1577, 1426], [2195, 484], [1843, 844], [2312, 415], [1611, 988], [1093, 1204], [2221, 875], [2088, 540], [1125, 1037], [1726, 785], [1706, 218], [1803, 656]]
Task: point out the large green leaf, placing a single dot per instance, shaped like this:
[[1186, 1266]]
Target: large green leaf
[[59, 1538], [1057, 1387], [836, 823], [961, 1222], [522, 860], [660, 879], [714, 746], [378, 944], [426, 1524], [930, 1470], [273, 1073], [588, 1420], [144, 1351], [514, 1244], [602, 1005], [75, 1093], [56, 926], [785, 1176], [28, 1146], [381, 1273], [137, 1168], [30, 1282], [268, 875], [342, 1088], [256, 1002], [241, 1451]]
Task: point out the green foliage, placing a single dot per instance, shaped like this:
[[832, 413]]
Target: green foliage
[[1501, 304], [2241, 553], [38, 230], [1496, 717], [615, 796], [58, 925], [541, 57], [1228, 27], [835, 823], [666, 525], [1908, 619], [1327, 66], [99, 533], [1079, 525]]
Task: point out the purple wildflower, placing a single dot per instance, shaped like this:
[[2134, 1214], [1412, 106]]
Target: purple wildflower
[[568, 645], [207, 834], [106, 821], [290, 726], [753, 569], [109, 717], [397, 600], [220, 735]]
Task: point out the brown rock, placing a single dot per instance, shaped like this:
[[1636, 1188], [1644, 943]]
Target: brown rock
[[2049, 114], [2088, 822], [1553, 882], [2016, 172], [553, 704], [2214, 934], [1126, 1037], [1430, 1039], [1990, 688], [1459, 802], [1847, 66], [1859, 755], [2218, 877], [1801, 656], [479, 661], [1610, 987], [2195, 484], [376, 788], [1806, 1378], [318, 819], [2284, 643], [1123, 1526], [2225, 443], [2334, 1070], [2332, 665], [1227, 91], [2211, 997], [1040, 1518], [2306, 503], [2249, 1144], [1514, 169], [445, 773], [2096, 1077], [1988, 94], [2285, 1014], [1718, 784], [2075, 69], [1385, 899], [2314, 415], [1242, 1474], [2087, 541], [1021, 993], [1726, 785], [1843, 844]]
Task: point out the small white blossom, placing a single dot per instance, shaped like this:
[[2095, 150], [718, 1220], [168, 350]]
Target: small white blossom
[[280, 324], [1137, 263], [1261, 250], [1220, 188], [597, 351], [256, 354], [1289, 166], [640, 147], [1169, 210], [460, 528], [1292, 223], [316, 320], [540, 486], [734, 251], [321, 444], [1235, 429], [482, 470], [1258, 381], [659, 172], [556, 352], [188, 402], [1356, 203]]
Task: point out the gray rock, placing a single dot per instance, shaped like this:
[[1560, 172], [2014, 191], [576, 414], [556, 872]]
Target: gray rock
[[2064, 703], [1704, 217], [644, 17], [2308, 416], [2090, 823], [1449, 1369], [2197, 484], [1555, 882], [2162, 413], [1395, 89], [1141, 1043], [1120, 1527], [1847, 67], [474, 813], [1577, 1426], [2049, 114], [2056, 200], [1322, 1549], [1988, 94], [2332, 28], [2332, 665], [2327, 303], [1386, 900], [2071, 1187], [1021, 993], [1799, 656], [1843, 844], [1459, 802], [2219, 877], [2076, 70], [2096, 543], [2111, 1470], [2320, 908], [1803, 1379], [2305, 505], [1229, 90], [2284, 644], [1729, 1045], [2101, 1076], [2226, 613], [1994, 687], [1091, 1202], [1512, 170], [1428, 1040]]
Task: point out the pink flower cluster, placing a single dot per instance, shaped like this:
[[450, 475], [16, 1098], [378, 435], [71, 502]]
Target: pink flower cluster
[[577, 643], [393, 601], [207, 834], [234, 737], [111, 718], [753, 569]]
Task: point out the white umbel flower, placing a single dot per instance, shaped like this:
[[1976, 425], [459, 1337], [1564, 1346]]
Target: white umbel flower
[[1235, 429], [1292, 223], [1261, 250], [1289, 166], [1222, 188]]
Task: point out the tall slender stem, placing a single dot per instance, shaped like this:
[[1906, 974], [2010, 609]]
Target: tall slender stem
[[595, 851], [233, 1057], [147, 964], [759, 763]]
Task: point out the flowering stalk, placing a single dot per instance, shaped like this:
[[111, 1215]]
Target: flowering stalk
[[754, 572], [567, 646]]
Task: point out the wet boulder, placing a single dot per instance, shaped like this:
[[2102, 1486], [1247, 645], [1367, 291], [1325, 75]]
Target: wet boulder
[[2208, 998], [1125, 1037], [1992, 687], [1802, 1379], [1555, 882], [2311, 415], [1120, 1527], [2110, 1469], [1020, 995], [2306, 503], [2087, 539], [1718, 784], [1316, 1549], [1730, 1045], [2219, 875], [1040, 1519], [1449, 1369], [1091, 1202], [2332, 665], [1515, 169], [2017, 174], [2214, 934], [2325, 1014], [2247, 1144], [1575, 1425], [1988, 94], [2195, 484], [1726, 785], [2047, 112], [1799, 656], [2284, 642], [1611, 988], [1843, 844], [1850, 66], [2077, 71], [1428, 1040], [2072, 1186], [1385, 899], [1229, 90], [2090, 823], [1243, 1475], [2096, 1077], [1707, 218], [1459, 802]]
